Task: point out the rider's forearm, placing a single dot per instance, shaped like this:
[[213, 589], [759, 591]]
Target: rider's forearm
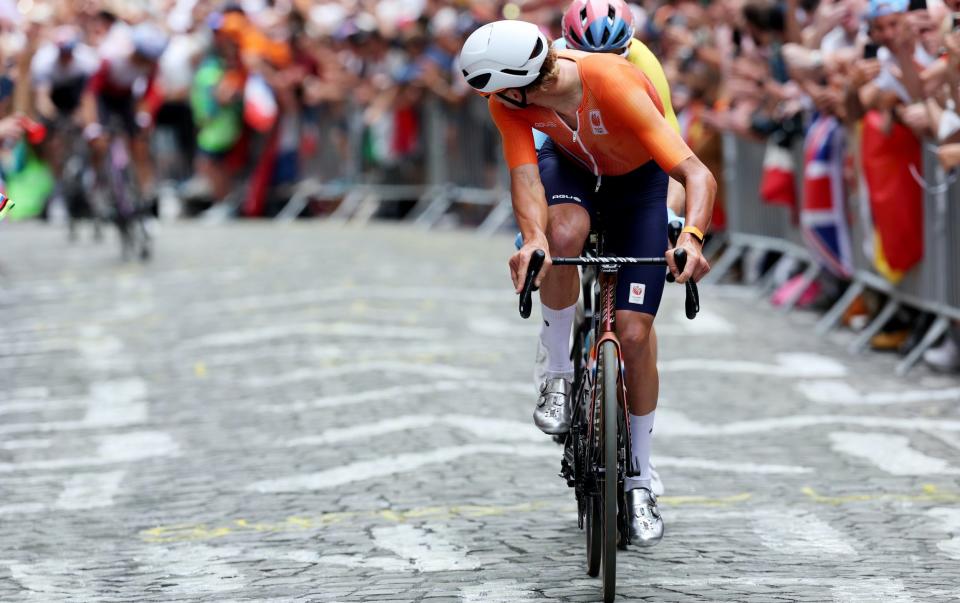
[[529, 202], [701, 190], [675, 197]]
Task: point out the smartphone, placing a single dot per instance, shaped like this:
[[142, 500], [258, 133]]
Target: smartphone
[[870, 50], [917, 5]]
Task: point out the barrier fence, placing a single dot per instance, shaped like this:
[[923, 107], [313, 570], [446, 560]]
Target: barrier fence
[[932, 286], [456, 162]]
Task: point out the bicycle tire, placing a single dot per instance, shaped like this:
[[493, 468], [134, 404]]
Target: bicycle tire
[[610, 365], [594, 531]]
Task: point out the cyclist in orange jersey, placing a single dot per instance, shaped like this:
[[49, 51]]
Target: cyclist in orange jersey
[[612, 152]]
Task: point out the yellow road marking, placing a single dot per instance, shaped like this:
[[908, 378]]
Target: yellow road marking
[[196, 532], [929, 493], [703, 501]]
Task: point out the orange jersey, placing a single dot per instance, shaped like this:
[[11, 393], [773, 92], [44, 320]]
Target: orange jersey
[[620, 123]]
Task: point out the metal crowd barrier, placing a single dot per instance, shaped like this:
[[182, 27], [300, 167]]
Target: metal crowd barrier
[[932, 286], [753, 224], [459, 164]]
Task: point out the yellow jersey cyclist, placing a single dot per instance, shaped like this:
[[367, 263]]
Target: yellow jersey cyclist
[[610, 149]]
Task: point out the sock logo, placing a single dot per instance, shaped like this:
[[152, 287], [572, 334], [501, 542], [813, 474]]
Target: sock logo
[[637, 293]]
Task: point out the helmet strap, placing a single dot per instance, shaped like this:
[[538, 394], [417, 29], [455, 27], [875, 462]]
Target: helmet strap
[[522, 103]]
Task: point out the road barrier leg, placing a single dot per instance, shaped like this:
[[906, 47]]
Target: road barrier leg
[[434, 212], [298, 201], [366, 209], [768, 281], [501, 213], [863, 339], [833, 316], [937, 329], [725, 263], [809, 276], [349, 204]]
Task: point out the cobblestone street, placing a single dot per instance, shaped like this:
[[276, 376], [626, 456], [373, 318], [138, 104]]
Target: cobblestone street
[[313, 412]]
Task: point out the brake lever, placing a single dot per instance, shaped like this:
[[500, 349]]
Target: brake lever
[[526, 294], [692, 301]]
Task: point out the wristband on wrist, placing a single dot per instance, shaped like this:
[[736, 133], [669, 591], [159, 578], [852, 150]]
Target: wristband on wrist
[[696, 232]]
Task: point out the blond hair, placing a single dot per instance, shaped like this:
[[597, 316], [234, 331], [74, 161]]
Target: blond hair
[[549, 73]]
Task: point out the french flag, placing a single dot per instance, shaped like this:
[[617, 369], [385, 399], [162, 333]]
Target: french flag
[[823, 219]]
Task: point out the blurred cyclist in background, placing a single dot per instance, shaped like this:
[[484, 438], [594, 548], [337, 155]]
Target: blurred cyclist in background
[[123, 93], [60, 71]]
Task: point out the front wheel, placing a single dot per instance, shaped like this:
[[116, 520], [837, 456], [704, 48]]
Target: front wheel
[[610, 366]]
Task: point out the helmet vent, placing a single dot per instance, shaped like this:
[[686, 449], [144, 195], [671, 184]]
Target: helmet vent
[[605, 37], [514, 72], [588, 35], [537, 48], [583, 15], [611, 14], [576, 39], [479, 81]]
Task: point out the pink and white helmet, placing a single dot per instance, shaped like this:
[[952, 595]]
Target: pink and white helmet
[[598, 25]]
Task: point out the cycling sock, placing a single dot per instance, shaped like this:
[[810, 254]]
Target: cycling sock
[[641, 440], [555, 335]]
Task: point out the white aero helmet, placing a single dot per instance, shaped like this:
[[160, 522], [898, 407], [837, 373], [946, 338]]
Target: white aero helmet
[[503, 54]]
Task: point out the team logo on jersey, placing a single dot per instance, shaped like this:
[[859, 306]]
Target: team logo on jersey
[[596, 123], [637, 293]]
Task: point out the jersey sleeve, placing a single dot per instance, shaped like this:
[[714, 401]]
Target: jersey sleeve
[[518, 146], [641, 56], [625, 94]]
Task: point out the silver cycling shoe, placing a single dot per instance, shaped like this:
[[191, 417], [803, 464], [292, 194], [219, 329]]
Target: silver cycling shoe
[[656, 484], [552, 414], [646, 525]]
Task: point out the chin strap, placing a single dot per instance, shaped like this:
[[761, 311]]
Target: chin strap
[[522, 104]]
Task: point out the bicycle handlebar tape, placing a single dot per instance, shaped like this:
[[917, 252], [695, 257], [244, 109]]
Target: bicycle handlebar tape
[[680, 257], [673, 234], [692, 301], [526, 294]]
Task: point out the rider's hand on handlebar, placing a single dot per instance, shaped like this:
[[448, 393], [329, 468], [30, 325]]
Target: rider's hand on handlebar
[[697, 266], [521, 259]]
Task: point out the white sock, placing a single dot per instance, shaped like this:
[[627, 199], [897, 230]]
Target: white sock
[[641, 440], [555, 335]]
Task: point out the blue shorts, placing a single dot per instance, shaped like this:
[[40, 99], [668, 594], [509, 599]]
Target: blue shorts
[[634, 211]]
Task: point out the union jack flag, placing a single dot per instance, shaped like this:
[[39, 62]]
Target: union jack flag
[[823, 219]]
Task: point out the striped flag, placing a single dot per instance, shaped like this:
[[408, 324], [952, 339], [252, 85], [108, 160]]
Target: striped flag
[[777, 184], [823, 219]]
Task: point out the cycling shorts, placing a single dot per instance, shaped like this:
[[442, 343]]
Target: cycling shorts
[[633, 209]]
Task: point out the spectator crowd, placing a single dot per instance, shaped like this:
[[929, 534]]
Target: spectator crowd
[[241, 99]]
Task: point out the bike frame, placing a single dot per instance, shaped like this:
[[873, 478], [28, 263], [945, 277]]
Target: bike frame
[[605, 330]]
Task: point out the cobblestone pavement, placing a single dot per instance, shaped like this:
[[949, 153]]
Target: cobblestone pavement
[[316, 413]]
